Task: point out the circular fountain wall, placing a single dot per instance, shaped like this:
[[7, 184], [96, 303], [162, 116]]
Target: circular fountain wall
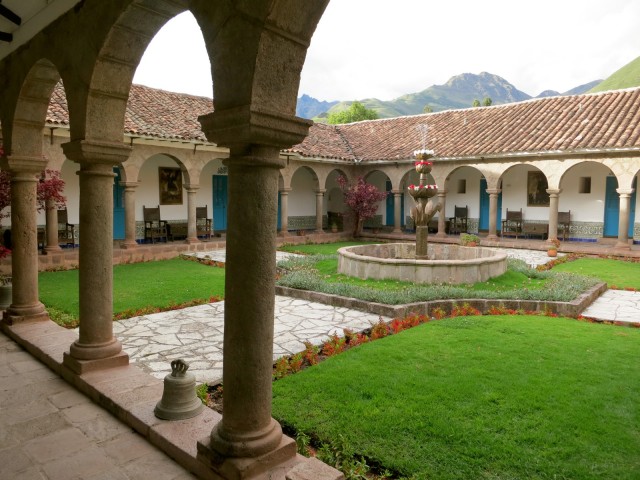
[[447, 263]]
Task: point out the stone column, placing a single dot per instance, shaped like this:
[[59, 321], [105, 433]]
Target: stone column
[[192, 233], [96, 346], [442, 218], [553, 213], [623, 223], [319, 197], [284, 211], [397, 203], [247, 429], [493, 212], [25, 304], [129, 214], [51, 229]]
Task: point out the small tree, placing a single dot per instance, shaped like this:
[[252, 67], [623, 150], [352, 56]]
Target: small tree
[[476, 103], [427, 109], [355, 113], [50, 188], [362, 198], [487, 101]]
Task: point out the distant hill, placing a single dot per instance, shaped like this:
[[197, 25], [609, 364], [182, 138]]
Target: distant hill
[[574, 91], [309, 107], [459, 92], [627, 76]]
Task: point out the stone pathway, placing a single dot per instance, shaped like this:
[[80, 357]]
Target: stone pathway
[[616, 305], [533, 258], [195, 334], [48, 430]]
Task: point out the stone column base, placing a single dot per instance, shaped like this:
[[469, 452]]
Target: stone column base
[[622, 246], [492, 237], [129, 245], [191, 241], [52, 250], [239, 468], [12, 319], [83, 366]]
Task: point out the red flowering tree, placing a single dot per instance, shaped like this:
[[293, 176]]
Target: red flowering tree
[[50, 188], [362, 198]]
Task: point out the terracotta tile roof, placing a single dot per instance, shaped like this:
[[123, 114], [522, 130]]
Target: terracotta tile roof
[[608, 120], [599, 121], [150, 113]]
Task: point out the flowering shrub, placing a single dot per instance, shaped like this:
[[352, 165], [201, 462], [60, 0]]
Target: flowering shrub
[[334, 345], [464, 310]]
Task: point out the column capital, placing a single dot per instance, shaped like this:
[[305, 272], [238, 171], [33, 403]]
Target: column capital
[[285, 190], [22, 164], [321, 191], [245, 125], [255, 156], [625, 191], [554, 191], [397, 192], [493, 191], [130, 185], [92, 152], [441, 193], [191, 187]]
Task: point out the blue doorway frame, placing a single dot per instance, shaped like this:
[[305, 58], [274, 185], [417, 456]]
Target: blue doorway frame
[[118, 206], [612, 208], [483, 222], [220, 198]]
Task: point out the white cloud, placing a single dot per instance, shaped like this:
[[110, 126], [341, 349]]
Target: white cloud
[[384, 48]]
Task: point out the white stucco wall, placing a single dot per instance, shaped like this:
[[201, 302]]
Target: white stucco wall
[[302, 198], [585, 207], [471, 197]]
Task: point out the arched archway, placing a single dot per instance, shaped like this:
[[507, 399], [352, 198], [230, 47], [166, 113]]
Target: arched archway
[[385, 216]]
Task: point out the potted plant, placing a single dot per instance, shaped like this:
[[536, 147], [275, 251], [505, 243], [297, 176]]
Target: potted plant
[[552, 248], [469, 240]]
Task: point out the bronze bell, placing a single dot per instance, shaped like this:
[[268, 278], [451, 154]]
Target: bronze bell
[[179, 399]]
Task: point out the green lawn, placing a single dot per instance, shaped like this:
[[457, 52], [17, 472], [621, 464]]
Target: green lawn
[[504, 397], [618, 273], [135, 286]]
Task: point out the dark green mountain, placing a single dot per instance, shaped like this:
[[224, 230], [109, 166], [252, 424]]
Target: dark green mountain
[[627, 76], [459, 92]]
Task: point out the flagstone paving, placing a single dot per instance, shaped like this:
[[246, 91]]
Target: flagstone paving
[[616, 305], [195, 334]]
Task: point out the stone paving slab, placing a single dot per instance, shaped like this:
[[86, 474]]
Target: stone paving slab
[[195, 334], [616, 305], [48, 430]]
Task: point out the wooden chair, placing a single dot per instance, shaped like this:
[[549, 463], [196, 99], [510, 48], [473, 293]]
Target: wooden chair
[[564, 223], [512, 225], [458, 223], [203, 222], [154, 227], [66, 231]]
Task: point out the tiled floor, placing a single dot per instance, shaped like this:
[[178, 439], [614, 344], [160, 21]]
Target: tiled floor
[[48, 430]]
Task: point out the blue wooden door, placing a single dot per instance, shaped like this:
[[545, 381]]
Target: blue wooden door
[[220, 183], [390, 210], [483, 223], [611, 208], [118, 207]]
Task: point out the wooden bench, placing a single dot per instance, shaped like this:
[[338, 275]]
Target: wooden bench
[[535, 230]]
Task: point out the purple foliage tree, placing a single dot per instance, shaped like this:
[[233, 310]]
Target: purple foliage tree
[[362, 198]]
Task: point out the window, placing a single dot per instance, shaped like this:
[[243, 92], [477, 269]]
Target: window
[[584, 186], [462, 186]]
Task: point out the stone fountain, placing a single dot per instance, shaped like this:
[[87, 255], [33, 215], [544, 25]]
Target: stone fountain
[[425, 209], [421, 262]]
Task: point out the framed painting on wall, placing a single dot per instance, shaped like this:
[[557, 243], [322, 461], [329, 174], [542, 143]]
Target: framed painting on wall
[[170, 183], [537, 186]]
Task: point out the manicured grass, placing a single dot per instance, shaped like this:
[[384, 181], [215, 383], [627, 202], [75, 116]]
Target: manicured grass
[[480, 397], [136, 286], [619, 273]]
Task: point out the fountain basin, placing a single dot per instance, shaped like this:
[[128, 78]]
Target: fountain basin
[[452, 264]]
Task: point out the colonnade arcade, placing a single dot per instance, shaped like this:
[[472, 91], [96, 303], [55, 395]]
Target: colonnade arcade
[[256, 51]]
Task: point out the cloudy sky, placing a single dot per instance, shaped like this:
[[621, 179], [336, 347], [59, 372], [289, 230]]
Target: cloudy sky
[[387, 48]]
